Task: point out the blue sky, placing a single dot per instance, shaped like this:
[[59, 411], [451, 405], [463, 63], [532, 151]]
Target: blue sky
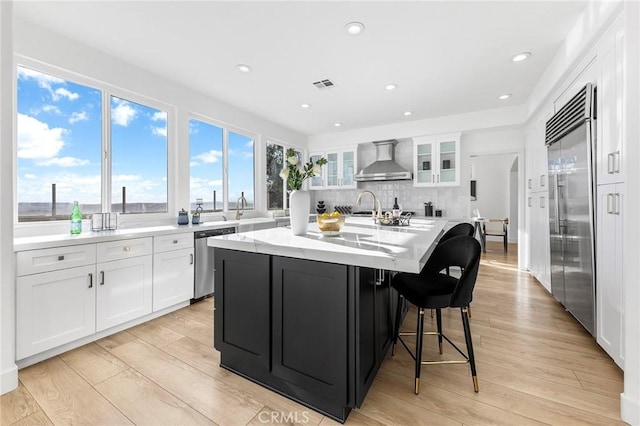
[[59, 141]]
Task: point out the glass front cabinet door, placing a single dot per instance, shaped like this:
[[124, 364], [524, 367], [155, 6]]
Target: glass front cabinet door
[[436, 160], [339, 172]]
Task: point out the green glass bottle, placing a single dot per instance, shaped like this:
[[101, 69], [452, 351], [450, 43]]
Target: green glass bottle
[[76, 219]]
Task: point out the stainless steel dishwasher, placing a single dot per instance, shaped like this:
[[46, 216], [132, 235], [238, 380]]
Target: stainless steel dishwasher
[[203, 284]]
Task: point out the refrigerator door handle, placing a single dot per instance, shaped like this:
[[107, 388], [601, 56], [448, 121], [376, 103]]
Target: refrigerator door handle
[[556, 202]]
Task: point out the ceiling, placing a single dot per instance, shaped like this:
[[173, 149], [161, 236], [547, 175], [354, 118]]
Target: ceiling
[[447, 57]]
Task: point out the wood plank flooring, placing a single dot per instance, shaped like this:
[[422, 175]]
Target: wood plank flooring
[[536, 365]]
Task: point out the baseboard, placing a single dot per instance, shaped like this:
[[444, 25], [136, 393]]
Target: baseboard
[[629, 410], [9, 380]]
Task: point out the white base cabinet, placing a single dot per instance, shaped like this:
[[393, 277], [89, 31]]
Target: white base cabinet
[[124, 291], [54, 308], [609, 290], [172, 278], [539, 244]]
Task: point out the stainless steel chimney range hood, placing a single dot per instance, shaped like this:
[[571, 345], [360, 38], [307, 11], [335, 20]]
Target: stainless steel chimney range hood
[[384, 168]]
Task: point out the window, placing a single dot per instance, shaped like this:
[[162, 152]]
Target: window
[[241, 176], [206, 165], [207, 146], [275, 184], [138, 158], [59, 139], [59, 150]]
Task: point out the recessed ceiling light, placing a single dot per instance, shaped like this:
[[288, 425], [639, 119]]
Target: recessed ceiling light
[[505, 96], [391, 86], [354, 28], [407, 113], [243, 68], [337, 124], [305, 106], [521, 56]]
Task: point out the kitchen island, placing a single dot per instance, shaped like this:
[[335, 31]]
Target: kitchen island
[[311, 317]]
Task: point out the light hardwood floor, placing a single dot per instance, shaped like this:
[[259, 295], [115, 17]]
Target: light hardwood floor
[[536, 365]]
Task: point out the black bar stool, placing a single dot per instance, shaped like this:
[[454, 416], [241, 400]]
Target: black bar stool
[[434, 289]]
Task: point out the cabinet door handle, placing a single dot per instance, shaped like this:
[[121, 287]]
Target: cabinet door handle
[[610, 163], [101, 277], [438, 179], [542, 202], [60, 258], [126, 248], [617, 203], [610, 203], [616, 161], [529, 184], [175, 241], [542, 180], [529, 202], [191, 261], [90, 280]]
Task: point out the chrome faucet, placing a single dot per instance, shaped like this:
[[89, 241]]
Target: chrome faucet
[[375, 214], [243, 202]]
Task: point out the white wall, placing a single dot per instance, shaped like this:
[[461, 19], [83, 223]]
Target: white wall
[[493, 189], [8, 369]]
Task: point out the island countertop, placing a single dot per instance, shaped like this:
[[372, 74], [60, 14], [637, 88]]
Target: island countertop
[[360, 243]]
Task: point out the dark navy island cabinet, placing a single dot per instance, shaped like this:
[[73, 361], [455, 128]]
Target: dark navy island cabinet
[[313, 331]]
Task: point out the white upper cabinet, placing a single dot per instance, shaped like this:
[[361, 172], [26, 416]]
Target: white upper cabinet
[[436, 160], [339, 172], [610, 106]]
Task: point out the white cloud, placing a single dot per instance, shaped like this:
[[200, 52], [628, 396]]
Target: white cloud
[[208, 157], [203, 185], [62, 92], [159, 116], [125, 178], [51, 108], [63, 162], [30, 176], [44, 80], [193, 164], [250, 144], [123, 113], [78, 116], [36, 141], [69, 187], [159, 131]]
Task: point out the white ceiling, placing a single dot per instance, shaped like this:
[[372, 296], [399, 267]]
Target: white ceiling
[[447, 57]]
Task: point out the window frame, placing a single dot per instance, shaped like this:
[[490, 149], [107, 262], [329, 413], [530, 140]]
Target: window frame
[[107, 91], [226, 128], [302, 151]]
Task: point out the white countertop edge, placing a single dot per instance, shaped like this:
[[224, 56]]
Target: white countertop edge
[[64, 240], [364, 253]]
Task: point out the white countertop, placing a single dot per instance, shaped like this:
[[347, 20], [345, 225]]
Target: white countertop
[[360, 243], [60, 240]]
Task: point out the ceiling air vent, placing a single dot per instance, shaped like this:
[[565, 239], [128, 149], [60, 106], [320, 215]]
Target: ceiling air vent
[[324, 84]]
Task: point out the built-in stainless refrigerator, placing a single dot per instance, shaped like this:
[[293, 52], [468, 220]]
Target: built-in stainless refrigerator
[[570, 138]]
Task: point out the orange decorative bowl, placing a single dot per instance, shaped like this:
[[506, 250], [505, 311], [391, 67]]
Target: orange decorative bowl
[[330, 225]]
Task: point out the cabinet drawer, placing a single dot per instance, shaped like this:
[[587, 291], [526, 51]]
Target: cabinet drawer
[[52, 259], [164, 243], [124, 249]]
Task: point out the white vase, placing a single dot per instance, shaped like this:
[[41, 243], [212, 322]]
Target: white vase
[[299, 202]]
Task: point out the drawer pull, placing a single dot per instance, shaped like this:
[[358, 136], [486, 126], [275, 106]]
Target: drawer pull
[[101, 277], [60, 258], [90, 280], [126, 248], [191, 262], [175, 241]]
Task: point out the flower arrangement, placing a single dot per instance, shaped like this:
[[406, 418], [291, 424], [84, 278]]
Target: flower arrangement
[[295, 172]]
